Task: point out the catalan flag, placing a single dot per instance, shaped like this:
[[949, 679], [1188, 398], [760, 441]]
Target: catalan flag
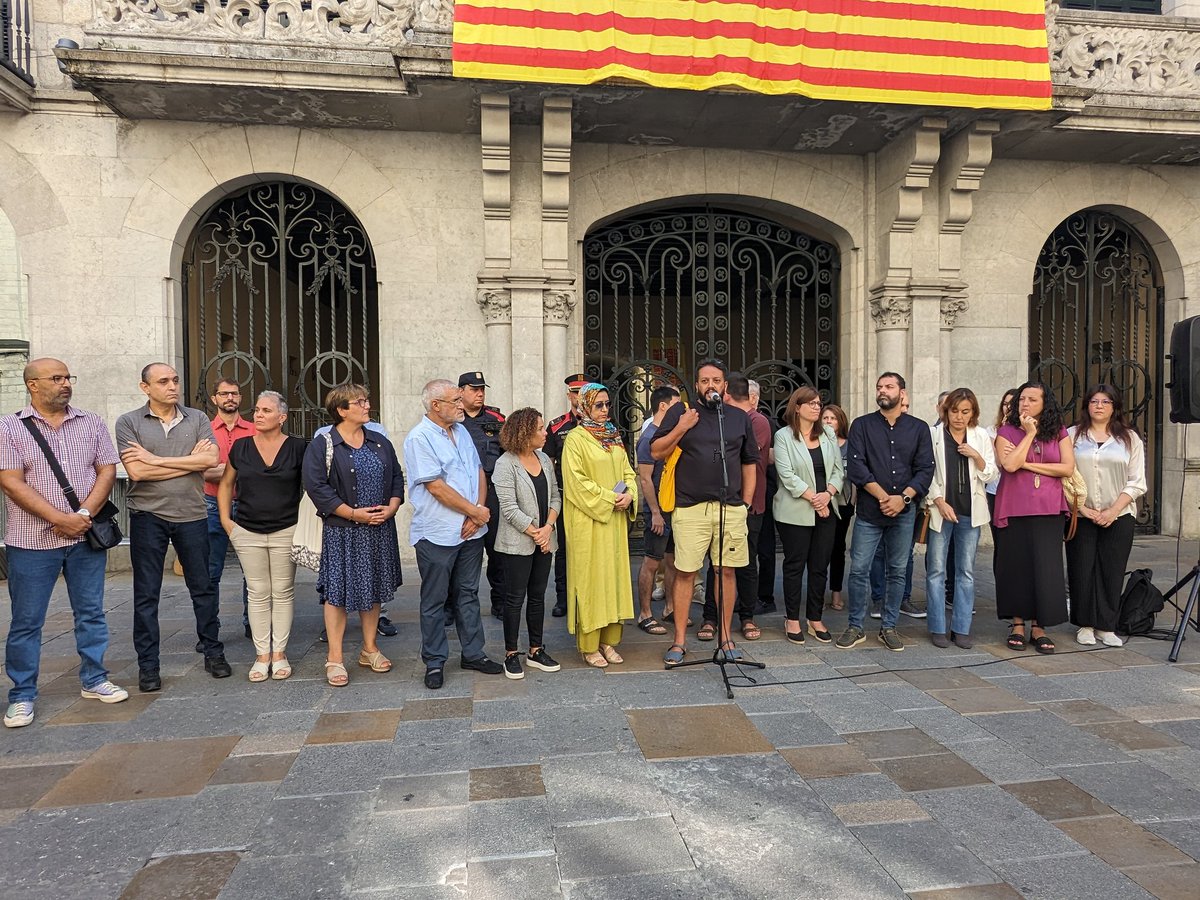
[[972, 53]]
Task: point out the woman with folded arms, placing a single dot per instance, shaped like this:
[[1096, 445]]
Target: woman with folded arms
[[1035, 454], [264, 472], [833, 416], [964, 463], [811, 473], [1112, 460], [1001, 417], [526, 534]]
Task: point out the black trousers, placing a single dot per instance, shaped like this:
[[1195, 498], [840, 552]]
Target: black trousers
[[525, 576], [1096, 559], [560, 566], [806, 547], [837, 559], [766, 554], [747, 580]]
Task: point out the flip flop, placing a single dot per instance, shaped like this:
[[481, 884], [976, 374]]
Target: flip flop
[[651, 625]]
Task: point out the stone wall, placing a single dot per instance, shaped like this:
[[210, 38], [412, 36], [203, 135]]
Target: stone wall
[[14, 331]]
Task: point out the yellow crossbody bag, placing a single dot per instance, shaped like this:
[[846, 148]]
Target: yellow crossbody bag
[[666, 485]]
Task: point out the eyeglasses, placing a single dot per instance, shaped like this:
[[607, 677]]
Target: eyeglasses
[[361, 401], [57, 379], [1100, 401], [601, 404], [455, 401], [815, 401], [229, 393]]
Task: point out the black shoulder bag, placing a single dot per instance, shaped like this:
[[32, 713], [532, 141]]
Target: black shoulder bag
[[105, 532]]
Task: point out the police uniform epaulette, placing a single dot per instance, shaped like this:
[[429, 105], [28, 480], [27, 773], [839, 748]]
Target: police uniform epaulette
[[495, 412], [557, 424]]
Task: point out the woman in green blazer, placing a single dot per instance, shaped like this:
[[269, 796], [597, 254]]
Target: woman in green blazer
[[811, 474]]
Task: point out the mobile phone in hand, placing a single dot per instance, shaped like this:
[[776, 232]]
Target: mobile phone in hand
[[620, 487]]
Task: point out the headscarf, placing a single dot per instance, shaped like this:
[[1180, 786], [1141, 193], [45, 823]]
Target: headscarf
[[606, 433]]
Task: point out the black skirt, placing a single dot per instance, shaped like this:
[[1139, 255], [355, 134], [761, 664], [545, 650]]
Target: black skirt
[[1030, 582]]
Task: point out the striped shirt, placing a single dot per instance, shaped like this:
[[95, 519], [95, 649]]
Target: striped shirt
[[80, 444]]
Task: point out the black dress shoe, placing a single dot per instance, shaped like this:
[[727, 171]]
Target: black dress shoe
[[199, 646], [246, 629], [217, 667], [483, 664], [385, 627], [433, 679], [559, 611], [497, 612], [149, 682]]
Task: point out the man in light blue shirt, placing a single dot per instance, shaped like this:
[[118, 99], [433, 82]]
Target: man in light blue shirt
[[450, 517]]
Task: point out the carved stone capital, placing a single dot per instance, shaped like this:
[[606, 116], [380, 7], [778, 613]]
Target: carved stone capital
[[891, 311], [557, 306], [496, 305], [951, 307]]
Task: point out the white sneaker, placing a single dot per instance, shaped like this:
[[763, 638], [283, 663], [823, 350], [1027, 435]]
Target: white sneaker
[[658, 594], [19, 714], [1109, 639], [105, 692], [1085, 636]]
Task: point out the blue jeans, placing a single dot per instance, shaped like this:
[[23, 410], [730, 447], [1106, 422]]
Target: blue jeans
[[879, 581], [450, 572], [149, 536], [32, 575], [896, 537], [218, 549], [964, 541]]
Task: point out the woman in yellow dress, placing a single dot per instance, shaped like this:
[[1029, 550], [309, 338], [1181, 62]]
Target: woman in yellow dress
[[599, 501]]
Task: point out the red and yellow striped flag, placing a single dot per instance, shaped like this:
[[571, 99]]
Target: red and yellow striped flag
[[974, 53]]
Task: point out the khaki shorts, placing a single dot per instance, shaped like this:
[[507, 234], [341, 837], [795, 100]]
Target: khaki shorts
[[697, 534]]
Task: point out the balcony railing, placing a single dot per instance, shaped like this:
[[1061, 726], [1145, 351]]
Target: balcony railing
[[16, 47]]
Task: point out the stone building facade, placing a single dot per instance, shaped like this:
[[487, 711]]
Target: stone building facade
[[473, 205]]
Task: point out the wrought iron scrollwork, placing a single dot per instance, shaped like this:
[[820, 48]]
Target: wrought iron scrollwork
[[1096, 318], [666, 289], [281, 294]]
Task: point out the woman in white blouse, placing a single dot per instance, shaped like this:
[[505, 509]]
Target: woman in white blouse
[[1112, 460], [964, 462]]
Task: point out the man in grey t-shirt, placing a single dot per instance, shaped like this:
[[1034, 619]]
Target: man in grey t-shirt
[[165, 448]]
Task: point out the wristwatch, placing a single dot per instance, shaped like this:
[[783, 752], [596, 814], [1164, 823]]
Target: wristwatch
[[907, 499], [83, 511]]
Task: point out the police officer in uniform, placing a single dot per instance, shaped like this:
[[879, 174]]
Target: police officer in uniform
[[556, 433], [483, 423]]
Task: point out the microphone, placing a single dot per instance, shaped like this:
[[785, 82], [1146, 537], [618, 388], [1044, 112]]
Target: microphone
[[713, 399]]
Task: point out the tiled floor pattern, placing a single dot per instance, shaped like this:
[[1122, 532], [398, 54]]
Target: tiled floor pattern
[[938, 775]]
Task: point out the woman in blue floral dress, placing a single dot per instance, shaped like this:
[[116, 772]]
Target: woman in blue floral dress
[[354, 479]]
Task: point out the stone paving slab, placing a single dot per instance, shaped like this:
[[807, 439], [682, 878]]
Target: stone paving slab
[[937, 775]]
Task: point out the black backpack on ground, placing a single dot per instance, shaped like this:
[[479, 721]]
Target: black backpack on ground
[[1140, 601]]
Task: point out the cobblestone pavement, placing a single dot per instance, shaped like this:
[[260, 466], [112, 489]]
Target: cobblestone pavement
[[841, 774]]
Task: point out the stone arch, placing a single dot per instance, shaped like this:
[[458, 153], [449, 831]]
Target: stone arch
[[184, 186], [26, 197]]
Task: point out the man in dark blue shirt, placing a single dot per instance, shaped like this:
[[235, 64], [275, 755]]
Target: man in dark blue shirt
[[890, 459]]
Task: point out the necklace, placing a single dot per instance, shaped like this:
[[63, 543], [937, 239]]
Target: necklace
[[1037, 477]]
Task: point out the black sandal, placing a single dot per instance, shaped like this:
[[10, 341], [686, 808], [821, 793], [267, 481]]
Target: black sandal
[[1016, 641], [1043, 644], [651, 625]]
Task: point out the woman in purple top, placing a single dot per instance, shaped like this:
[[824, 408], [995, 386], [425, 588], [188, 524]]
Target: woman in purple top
[[1034, 454]]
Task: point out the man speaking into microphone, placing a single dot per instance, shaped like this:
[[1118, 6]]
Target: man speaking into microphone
[[704, 477]]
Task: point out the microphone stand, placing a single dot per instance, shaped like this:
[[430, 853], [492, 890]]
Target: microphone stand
[[721, 657]]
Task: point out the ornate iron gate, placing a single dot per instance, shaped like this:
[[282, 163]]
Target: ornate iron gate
[[663, 290], [281, 294], [1095, 316]]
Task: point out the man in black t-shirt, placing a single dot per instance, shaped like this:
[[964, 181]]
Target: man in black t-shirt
[[700, 486]]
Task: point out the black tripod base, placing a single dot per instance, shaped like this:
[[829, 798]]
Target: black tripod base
[[1188, 609], [719, 658]]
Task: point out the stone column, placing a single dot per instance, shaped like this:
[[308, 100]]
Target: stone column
[[495, 303], [951, 307], [557, 306], [892, 313]]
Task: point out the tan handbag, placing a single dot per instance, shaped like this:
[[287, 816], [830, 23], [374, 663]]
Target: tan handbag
[[1075, 490]]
